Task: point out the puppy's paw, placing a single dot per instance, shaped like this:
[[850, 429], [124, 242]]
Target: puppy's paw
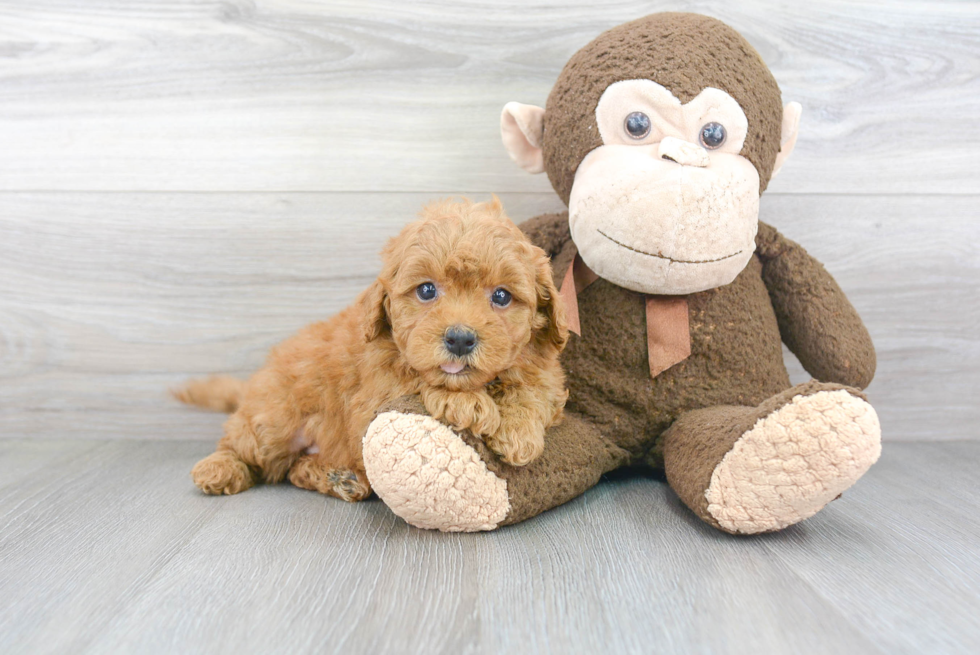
[[518, 441], [474, 410], [309, 473], [485, 416], [222, 473]]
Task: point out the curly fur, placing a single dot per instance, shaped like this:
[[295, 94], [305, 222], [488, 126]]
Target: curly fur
[[305, 412]]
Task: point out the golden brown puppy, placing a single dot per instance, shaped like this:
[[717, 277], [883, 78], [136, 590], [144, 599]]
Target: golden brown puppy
[[464, 312]]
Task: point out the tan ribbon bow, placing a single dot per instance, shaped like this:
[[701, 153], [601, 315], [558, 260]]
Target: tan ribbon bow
[[668, 328]]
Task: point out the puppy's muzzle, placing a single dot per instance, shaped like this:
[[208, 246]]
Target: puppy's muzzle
[[460, 340]]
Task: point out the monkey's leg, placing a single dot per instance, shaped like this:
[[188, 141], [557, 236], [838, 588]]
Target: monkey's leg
[[746, 470], [437, 479]]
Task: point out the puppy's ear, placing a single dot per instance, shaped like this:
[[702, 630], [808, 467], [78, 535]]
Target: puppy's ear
[[550, 321], [374, 303]]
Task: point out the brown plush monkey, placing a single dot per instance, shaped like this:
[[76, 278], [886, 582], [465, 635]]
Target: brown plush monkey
[[660, 136]]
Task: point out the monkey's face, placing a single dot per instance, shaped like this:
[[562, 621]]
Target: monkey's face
[[660, 135], [666, 205]]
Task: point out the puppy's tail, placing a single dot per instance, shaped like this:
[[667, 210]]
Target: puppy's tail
[[220, 393]]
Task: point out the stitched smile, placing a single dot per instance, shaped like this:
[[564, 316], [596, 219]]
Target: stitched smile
[[671, 259]]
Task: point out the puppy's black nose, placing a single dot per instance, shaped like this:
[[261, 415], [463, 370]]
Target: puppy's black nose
[[460, 340]]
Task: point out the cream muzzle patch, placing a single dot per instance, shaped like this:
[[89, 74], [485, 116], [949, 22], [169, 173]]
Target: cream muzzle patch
[[664, 213]]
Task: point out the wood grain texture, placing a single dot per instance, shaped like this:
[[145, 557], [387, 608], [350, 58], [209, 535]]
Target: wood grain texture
[[107, 300], [383, 95], [20, 460], [115, 551], [910, 534]]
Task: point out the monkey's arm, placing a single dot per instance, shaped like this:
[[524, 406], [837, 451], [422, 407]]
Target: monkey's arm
[[816, 320]]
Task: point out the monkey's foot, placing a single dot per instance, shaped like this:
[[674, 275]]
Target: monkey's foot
[[426, 474], [793, 462]]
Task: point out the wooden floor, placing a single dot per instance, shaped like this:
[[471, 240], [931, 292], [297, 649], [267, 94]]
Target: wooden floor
[[106, 547]]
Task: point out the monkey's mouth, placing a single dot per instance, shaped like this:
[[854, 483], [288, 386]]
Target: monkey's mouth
[[670, 259]]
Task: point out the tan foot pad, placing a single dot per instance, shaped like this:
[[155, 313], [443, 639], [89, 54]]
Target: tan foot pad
[[793, 462], [430, 477]]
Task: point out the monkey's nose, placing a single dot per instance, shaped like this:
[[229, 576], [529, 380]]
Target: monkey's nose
[[683, 152], [460, 340]]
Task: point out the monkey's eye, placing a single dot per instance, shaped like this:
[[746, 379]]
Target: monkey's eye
[[637, 125], [713, 135], [426, 291], [500, 297]]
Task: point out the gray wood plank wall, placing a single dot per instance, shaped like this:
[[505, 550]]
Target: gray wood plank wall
[[184, 184]]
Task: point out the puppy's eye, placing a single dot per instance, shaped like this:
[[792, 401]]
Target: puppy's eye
[[713, 135], [500, 297], [426, 291], [637, 125]]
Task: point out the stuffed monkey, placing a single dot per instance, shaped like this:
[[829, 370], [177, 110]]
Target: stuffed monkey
[[660, 136]]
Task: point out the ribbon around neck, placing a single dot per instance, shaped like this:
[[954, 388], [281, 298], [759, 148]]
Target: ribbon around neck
[[668, 325]]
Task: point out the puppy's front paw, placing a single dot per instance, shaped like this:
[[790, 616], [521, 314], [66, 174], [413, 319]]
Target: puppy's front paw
[[463, 409], [518, 441]]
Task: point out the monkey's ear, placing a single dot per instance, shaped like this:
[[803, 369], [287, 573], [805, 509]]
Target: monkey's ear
[[791, 129], [522, 127]]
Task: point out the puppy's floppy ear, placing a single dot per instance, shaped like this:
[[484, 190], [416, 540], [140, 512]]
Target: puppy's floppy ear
[[550, 321], [374, 303]]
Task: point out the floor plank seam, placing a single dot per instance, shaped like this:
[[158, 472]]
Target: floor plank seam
[[156, 571], [828, 602]]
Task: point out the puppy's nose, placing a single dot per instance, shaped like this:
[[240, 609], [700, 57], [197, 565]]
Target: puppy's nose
[[460, 340]]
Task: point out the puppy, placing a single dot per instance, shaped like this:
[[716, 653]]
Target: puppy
[[464, 312]]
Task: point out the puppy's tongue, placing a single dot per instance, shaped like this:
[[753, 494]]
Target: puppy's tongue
[[453, 367]]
